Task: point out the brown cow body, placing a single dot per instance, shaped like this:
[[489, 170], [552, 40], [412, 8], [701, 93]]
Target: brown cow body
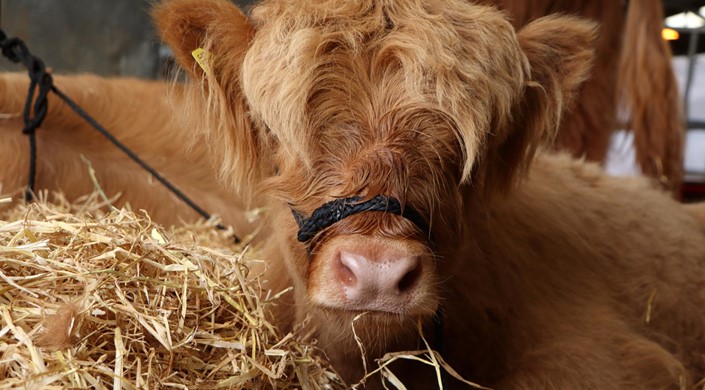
[[141, 115], [545, 272]]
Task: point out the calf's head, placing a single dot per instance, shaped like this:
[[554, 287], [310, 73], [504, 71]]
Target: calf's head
[[416, 105]]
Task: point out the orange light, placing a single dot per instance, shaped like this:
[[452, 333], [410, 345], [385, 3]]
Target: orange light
[[670, 34]]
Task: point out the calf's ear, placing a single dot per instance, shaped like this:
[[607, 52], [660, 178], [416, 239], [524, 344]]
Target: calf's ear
[[559, 51], [217, 26], [209, 39]]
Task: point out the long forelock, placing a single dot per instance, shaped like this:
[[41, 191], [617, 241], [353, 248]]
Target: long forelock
[[316, 47], [332, 69]]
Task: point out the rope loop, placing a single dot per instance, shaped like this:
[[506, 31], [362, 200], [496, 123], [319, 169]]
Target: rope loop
[[37, 105], [41, 83]]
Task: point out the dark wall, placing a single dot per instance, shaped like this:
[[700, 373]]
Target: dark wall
[[107, 37]]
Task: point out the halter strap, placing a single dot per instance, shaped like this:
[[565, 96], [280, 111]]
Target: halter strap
[[336, 210]]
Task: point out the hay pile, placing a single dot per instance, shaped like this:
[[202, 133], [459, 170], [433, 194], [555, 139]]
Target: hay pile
[[90, 299]]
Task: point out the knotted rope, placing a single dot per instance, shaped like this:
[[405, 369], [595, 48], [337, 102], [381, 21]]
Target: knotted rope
[[41, 83]]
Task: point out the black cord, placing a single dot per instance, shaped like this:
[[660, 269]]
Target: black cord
[[97, 126], [41, 83], [33, 115], [334, 211]]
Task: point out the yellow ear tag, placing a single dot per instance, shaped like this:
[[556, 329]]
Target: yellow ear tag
[[202, 57]]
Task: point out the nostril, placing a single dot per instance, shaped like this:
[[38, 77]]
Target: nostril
[[379, 277], [345, 274], [408, 281]]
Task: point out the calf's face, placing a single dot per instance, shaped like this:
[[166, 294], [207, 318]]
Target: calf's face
[[415, 104]]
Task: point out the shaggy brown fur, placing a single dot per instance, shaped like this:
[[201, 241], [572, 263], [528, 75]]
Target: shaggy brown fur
[[141, 116], [543, 267], [632, 70], [444, 107], [585, 129]]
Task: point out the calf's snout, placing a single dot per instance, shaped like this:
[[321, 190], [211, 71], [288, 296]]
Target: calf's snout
[[365, 273], [379, 281]]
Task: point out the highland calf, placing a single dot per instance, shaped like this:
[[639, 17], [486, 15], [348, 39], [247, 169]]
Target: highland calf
[[541, 267], [398, 148]]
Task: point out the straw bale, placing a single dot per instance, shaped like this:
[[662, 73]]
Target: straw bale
[[92, 296], [107, 299]]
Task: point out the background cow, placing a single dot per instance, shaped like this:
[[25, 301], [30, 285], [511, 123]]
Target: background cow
[[141, 114], [632, 85]]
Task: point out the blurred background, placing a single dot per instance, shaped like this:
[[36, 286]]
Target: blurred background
[[116, 38], [106, 37], [689, 66]]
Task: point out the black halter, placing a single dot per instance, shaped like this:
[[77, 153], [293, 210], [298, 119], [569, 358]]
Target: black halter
[[334, 211]]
